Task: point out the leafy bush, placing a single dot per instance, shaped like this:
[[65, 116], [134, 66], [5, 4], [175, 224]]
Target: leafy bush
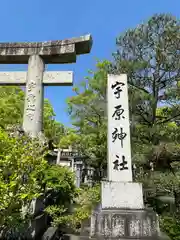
[[25, 175], [171, 225], [84, 202], [59, 185], [21, 166]]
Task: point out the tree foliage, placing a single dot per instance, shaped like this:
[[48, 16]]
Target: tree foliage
[[53, 129], [60, 183], [24, 173], [88, 112], [84, 201], [149, 55], [11, 106], [24, 176], [21, 167]]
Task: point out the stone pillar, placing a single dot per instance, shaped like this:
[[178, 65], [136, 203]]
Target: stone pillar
[[72, 164], [78, 175], [58, 157], [121, 213], [33, 109]]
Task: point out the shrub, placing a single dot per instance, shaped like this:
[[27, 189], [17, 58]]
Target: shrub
[[171, 225], [21, 165], [84, 202]]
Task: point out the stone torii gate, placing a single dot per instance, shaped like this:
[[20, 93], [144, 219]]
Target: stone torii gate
[[37, 54]]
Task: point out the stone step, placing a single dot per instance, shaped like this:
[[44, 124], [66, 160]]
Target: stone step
[[76, 237]]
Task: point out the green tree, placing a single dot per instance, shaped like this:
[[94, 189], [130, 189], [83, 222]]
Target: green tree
[[60, 182], [53, 130], [12, 108], [21, 168], [25, 175], [149, 55], [84, 202], [88, 112]]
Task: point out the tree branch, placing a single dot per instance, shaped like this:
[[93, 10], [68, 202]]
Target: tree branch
[[169, 119]]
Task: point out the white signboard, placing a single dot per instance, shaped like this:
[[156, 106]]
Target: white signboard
[[119, 146]]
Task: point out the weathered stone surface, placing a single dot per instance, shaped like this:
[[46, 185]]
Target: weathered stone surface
[[50, 234], [58, 78], [50, 78], [120, 224], [33, 109], [37, 206], [124, 195], [119, 145], [71, 237], [37, 226], [60, 51]]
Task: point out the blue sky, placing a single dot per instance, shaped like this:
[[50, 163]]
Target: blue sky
[[42, 20]]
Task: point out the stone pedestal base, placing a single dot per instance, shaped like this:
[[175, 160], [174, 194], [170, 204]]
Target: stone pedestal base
[[121, 215], [124, 224]]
